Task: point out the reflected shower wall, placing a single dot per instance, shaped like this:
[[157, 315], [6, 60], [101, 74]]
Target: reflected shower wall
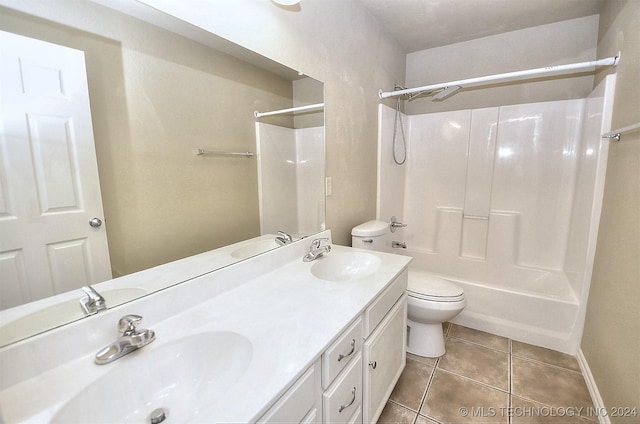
[[290, 179]]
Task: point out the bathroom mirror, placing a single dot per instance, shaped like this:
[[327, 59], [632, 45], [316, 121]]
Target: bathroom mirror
[[160, 91]]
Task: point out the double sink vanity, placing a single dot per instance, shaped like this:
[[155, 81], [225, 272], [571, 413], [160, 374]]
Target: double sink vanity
[[270, 339]]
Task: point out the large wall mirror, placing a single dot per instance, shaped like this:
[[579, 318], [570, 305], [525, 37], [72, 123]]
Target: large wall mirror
[[167, 102]]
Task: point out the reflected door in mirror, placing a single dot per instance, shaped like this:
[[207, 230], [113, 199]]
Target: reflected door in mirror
[[49, 189]]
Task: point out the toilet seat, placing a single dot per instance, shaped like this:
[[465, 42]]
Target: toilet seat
[[435, 289]]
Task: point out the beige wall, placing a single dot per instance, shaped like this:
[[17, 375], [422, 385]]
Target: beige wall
[[155, 98], [339, 43], [611, 339], [559, 43]]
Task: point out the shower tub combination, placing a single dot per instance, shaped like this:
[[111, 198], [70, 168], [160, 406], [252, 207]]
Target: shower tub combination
[[505, 202]]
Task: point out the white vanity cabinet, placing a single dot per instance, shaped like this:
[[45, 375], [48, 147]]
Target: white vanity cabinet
[[384, 350], [355, 375]]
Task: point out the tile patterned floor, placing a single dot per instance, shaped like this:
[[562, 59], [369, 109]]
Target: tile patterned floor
[[485, 378]]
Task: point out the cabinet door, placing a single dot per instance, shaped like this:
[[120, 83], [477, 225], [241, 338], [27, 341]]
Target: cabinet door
[[300, 404], [384, 359]]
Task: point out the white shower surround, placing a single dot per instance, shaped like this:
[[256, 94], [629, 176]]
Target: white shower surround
[[290, 179], [504, 201]]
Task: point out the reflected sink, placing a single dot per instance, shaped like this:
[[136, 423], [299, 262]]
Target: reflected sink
[[184, 378], [254, 248], [345, 266], [59, 314]]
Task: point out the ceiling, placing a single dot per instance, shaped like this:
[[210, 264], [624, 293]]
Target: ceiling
[[424, 24]]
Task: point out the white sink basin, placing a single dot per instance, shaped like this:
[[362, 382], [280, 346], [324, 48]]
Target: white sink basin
[[184, 378], [345, 266], [254, 248]]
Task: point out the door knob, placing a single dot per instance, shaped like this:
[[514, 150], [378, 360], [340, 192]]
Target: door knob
[[95, 222]]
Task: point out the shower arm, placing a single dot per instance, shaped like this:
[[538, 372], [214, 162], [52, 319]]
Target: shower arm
[[509, 76]]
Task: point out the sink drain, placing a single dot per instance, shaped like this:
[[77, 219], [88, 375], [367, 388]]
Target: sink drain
[[158, 416]]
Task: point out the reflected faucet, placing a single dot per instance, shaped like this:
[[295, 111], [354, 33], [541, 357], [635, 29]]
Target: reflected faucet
[[130, 339], [316, 250], [283, 238], [93, 302]]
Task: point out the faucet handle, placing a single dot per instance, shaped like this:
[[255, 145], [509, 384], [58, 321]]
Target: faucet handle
[[285, 235], [128, 323], [315, 244]]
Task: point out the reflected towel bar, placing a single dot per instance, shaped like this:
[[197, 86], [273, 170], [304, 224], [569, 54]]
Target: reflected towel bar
[[290, 110], [219, 153], [617, 134]]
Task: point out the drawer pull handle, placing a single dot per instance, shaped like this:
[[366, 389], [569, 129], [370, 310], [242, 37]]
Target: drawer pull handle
[[343, 407], [373, 364], [368, 241], [353, 348]]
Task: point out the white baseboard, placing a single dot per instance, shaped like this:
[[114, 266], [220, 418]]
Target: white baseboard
[[598, 403]]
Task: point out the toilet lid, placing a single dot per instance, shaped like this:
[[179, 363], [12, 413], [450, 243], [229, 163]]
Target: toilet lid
[[434, 288]]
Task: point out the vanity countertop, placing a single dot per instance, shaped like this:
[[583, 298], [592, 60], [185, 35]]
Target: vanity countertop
[[289, 316]]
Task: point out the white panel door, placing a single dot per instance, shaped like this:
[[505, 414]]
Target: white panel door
[[49, 186]]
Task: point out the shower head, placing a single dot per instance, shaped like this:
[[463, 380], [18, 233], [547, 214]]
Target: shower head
[[448, 91], [418, 94]]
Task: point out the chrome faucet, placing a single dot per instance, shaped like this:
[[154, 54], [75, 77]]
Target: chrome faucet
[[283, 238], [93, 302], [130, 339], [316, 250]]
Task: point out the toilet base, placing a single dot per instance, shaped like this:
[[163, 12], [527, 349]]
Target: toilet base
[[425, 339]]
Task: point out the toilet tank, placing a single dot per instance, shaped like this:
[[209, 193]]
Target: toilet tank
[[371, 235]]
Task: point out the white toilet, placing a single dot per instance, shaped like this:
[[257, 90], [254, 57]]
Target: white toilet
[[431, 300]]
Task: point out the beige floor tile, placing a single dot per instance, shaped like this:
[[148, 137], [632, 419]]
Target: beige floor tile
[[547, 356], [424, 420], [476, 336], [396, 414], [479, 374], [524, 411], [549, 384], [412, 384], [476, 362], [427, 361], [454, 399]]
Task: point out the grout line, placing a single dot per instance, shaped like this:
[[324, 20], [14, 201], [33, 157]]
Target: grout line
[[506, 391], [402, 405], [480, 344], [426, 391], [537, 361]]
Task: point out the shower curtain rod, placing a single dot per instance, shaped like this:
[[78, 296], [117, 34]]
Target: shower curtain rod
[[509, 76], [290, 110], [617, 134]]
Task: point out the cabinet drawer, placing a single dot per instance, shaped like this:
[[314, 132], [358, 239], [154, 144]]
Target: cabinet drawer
[[341, 352], [344, 397], [298, 404], [379, 308]]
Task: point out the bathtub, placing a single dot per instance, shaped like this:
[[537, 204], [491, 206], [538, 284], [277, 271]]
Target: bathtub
[[524, 304]]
